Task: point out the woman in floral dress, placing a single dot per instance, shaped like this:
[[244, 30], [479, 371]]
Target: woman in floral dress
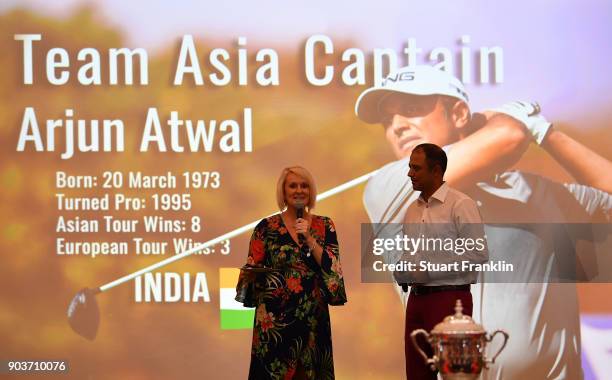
[[292, 332]]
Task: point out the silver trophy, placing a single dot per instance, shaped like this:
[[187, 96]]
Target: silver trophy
[[458, 346]]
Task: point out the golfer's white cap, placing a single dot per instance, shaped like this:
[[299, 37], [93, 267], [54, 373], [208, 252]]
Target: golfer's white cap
[[415, 80]]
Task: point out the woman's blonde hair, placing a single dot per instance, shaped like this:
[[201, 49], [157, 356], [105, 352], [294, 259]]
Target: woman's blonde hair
[[280, 186]]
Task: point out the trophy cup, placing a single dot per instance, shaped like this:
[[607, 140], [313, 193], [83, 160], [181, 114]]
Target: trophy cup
[[458, 346]]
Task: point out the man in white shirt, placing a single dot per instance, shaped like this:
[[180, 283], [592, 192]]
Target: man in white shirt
[[423, 104], [440, 215]]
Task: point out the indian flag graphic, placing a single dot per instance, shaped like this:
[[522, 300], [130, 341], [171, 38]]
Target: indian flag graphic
[[234, 316]]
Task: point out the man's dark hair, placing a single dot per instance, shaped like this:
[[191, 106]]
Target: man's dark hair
[[434, 155]]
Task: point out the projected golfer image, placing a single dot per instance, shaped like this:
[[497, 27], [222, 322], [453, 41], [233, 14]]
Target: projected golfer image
[[421, 105]]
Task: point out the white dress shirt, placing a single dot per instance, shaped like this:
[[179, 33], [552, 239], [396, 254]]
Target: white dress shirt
[[452, 218]]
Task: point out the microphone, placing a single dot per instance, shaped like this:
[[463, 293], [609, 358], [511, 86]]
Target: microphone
[[299, 213]]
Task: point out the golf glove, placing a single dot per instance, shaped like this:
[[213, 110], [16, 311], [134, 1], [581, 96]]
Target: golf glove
[[527, 113]]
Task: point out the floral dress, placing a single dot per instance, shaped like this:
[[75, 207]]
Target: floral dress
[[292, 318]]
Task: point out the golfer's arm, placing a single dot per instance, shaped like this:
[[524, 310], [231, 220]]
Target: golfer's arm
[[492, 149], [586, 166]]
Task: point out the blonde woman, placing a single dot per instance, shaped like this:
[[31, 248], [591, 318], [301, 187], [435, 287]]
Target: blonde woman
[[292, 332]]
